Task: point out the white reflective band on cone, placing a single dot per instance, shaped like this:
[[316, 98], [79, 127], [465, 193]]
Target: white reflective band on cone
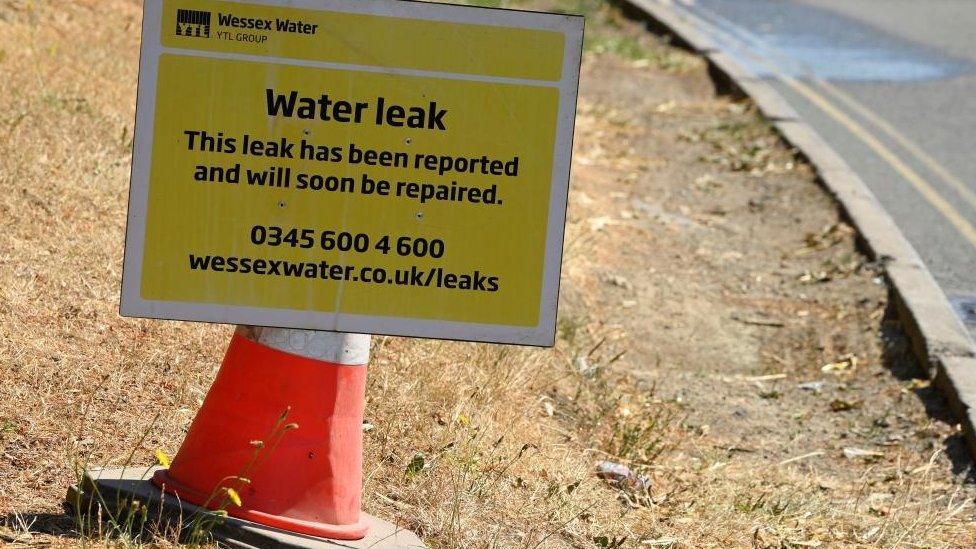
[[338, 348]]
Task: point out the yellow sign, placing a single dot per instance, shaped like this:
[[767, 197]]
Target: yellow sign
[[380, 167]]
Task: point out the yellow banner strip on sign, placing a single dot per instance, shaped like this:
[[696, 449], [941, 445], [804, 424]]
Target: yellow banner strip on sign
[[363, 39]]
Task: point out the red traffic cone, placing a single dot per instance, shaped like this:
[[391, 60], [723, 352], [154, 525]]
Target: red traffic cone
[[282, 426]]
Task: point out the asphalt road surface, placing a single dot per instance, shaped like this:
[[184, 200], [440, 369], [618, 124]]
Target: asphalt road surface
[[891, 84]]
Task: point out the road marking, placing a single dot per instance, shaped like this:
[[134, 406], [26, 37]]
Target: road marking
[[926, 189], [925, 158], [921, 185]]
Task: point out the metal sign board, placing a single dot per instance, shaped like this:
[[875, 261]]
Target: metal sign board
[[370, 166]]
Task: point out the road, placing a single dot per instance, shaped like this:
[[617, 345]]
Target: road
[[890, 84]]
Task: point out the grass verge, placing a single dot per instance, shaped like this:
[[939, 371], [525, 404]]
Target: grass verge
[[712, 303]]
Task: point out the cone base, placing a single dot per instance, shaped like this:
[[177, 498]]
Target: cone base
[[116, 488], [164, 481]]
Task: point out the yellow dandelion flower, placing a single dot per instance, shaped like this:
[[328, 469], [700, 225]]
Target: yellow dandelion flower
[[162, 458], [234, 497]]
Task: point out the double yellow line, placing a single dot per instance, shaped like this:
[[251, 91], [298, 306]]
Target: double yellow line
[[926, 189]]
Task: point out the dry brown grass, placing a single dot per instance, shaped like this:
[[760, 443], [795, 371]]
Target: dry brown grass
[[509, 436]]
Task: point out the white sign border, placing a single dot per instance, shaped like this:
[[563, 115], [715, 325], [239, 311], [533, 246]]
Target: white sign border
[[543, 334]]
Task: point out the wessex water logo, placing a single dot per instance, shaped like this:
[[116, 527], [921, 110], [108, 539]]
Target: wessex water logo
[[193, 23]]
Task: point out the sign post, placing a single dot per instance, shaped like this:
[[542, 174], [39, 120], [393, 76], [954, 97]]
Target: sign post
[[370, 166]]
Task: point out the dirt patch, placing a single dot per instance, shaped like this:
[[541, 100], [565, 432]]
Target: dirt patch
[[719, 332], [739, 295]]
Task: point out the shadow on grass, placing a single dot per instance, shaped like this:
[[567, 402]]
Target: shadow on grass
[[63, 524]]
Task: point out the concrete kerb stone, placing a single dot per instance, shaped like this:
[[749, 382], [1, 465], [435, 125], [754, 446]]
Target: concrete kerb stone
[[770, 103], [810, 145], [928, 312], [939, 340], [773, 106]]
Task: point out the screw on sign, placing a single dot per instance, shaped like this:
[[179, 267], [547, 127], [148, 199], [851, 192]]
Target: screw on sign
[[330, 185]]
